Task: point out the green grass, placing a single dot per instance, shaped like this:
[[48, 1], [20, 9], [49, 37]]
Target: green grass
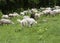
[[44, 32]]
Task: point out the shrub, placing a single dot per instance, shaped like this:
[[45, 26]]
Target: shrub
[[1, 14]]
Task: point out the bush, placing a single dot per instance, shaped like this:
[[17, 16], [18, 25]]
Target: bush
[[1, 14]]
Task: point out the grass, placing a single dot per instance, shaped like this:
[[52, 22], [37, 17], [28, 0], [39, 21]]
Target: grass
[[44, 32]]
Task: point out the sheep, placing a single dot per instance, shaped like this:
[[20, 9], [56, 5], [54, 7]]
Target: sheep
[[5, 16], [13, 14], [34, 10], [41, 8], [27, 22], [56, 7], [23, 22], [31, 22], [10, 15], [48, 8], [6, 21], [46, 12], [57, 11], [37, 15], [52, 13], [24, 12]]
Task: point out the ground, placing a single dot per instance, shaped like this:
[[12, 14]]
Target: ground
[[46, 31]]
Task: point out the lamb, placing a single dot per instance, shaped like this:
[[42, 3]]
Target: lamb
[[6, 21], [5, 16]]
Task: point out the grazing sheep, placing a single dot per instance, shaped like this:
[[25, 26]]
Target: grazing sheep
[[37, 15], [34, 10], [57, 7], [6, 21], [22, 22], [10, 15], [46, 12], [31, 22], [52, 13], [27, 22], [57, 11], [14, 14], [5, 16], [41, 8], [48, 8], [24, 12]]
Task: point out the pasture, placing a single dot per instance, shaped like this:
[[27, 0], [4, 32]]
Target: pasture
[[46, 31]]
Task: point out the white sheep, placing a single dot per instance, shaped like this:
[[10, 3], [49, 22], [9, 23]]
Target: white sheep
[[27, 22], [48, 8], [57, 7], [34, 10], [41, 8], [13, 14], [31, 22], [57, 11], [37, 15], [46, 11], [6, 21], [23, 22], [52, 13], [5, 16]]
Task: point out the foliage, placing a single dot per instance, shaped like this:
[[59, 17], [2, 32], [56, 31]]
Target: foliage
[[9, 5], [1, 14]]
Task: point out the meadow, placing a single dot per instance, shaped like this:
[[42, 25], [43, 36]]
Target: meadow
[[46, 31]]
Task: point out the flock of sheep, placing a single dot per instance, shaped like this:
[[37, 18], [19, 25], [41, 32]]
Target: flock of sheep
[[32, 19]]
